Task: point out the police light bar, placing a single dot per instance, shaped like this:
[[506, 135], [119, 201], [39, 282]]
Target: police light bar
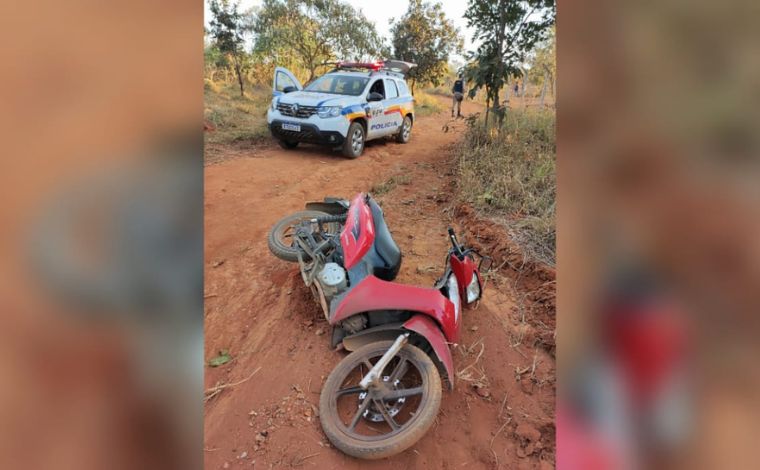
[[374, 66]]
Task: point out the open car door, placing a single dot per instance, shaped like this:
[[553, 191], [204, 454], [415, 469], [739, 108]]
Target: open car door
[[398, 66], [284, 78]]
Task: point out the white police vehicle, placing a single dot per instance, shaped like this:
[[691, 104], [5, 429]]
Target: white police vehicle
[[353, 103]]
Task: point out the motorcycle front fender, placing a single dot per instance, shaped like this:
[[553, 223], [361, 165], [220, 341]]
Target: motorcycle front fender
[[429, 329], [372, 294]]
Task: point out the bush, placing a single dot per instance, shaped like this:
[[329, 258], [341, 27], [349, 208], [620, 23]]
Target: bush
[[510, 172]]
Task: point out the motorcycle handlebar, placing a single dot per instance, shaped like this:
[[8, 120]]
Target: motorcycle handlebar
[[454, 242], [332, 218]]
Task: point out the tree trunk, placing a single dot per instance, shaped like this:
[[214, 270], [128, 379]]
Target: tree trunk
[[238, 73], [554, 87], [543, 90], [488, 107], [498, 110], [414, 80]]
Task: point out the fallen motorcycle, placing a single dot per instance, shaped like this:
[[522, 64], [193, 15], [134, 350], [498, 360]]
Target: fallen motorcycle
[[384, 396]]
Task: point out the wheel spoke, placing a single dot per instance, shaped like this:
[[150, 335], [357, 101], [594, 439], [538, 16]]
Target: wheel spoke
[[386, 416], [399, 370], [349, 391], [368, 364], [359, 413], [405, 392]]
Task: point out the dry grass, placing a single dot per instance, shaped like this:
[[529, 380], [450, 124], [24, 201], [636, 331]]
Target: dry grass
[[510, 172], [473, 373], [388, 185], [426, 104], [239, 120]]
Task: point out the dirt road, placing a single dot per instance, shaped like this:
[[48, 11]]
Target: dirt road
[[258, 308]]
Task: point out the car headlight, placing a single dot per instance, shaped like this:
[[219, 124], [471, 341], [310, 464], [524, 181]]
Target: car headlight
[[328, 111], [272, 106], [473, 290]]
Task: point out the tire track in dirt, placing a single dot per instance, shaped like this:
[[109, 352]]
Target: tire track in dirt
[[258, 308]]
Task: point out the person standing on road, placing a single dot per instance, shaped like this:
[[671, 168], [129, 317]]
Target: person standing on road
[[458, 90]]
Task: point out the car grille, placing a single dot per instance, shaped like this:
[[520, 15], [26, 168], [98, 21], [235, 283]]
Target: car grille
[[301, 111], [306, 134]]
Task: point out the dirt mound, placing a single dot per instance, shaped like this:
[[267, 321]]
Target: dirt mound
[[534, 280]]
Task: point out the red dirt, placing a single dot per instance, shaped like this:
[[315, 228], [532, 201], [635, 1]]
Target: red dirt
[[258, 308]]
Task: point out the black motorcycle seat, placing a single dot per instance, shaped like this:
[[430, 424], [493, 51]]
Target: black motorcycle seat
[[386, 248]]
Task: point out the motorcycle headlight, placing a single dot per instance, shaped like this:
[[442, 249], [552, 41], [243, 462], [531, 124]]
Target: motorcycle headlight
[[454, 294], [473, 290], [328, 111]]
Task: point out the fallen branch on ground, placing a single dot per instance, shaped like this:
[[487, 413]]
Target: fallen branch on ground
[[214, 391]]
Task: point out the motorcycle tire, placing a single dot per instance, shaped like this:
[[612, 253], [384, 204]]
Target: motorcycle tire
[[276, 239], [373, 447]]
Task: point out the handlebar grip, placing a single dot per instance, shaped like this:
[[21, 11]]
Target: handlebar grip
[[332, 218], [451, 232]]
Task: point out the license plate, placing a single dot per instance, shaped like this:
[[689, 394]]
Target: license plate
[[291, 127]]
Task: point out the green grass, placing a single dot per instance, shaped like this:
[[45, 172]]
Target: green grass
[[239, 120], [510, 172]]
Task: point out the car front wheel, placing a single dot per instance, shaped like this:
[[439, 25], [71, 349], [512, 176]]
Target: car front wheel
[[354, 143]]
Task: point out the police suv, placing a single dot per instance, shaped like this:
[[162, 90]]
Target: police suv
[[353, 103]]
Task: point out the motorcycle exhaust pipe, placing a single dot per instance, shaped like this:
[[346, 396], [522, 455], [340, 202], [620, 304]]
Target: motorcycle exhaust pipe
[[377, 369]]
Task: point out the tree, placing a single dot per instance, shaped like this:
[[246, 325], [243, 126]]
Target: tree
[[226, 30], [544, 65], [315, 31], [507, 31], [426, 37]]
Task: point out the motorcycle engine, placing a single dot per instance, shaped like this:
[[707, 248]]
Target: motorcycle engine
[[332, 279]]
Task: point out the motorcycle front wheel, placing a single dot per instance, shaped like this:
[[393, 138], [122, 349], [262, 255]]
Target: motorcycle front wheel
[[389, 418]]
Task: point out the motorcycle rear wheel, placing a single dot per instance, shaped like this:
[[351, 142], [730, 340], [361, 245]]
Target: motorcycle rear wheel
[[280, 237], [370, 424]]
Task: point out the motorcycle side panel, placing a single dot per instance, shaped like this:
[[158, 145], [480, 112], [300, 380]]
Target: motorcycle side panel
[[372, 293], [358, 234], [426, 327]]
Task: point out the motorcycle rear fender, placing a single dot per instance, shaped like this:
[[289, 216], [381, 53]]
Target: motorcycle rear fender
[[331, 205]]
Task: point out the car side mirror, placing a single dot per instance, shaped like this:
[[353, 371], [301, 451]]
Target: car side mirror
[[374, 96], [289, 89]]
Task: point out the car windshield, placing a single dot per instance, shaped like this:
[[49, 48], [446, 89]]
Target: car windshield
[[339, 85]]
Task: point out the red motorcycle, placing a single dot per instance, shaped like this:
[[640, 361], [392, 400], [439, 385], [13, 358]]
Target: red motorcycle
[[383, 396]]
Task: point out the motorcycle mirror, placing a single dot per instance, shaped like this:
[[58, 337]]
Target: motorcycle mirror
[[485, 264]]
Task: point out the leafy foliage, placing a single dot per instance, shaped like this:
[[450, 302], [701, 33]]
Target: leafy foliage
[[544, 63], [425, 36], [315, 31], [507, 31], [226, 29]]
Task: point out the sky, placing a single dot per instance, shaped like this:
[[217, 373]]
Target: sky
[[381, 11]]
